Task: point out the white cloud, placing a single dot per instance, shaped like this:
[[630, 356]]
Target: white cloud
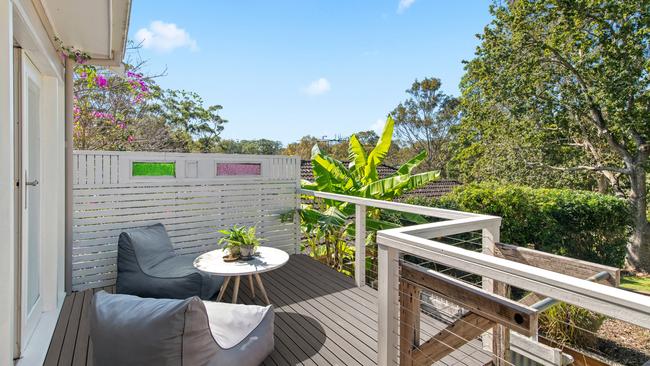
[[318, 87], [164, 37], [404, 4], [378, 126]]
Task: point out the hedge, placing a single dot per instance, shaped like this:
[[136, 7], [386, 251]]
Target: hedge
[[579, 224]]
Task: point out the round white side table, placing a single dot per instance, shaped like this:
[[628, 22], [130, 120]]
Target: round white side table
[[265, 259]]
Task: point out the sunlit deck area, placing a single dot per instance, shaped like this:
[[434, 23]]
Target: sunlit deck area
[[321, 318]]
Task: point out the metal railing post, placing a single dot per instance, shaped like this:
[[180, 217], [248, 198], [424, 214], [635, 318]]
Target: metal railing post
[[388, 326], [360, 245]]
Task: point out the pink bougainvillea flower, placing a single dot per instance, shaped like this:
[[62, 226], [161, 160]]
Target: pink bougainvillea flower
[[101, 81], [79, 58], [130, 138], [121, 124]]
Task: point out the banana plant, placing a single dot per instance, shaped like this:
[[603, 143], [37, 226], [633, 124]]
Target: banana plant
[[359, 178]]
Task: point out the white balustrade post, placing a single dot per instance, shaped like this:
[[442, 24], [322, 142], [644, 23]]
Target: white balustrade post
[[498, 340], [388, 339], [360, 245]]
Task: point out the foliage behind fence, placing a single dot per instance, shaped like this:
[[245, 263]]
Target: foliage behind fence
[[579, 224]]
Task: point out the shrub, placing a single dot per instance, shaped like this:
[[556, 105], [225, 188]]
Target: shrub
[[579, 224], [570, 325]]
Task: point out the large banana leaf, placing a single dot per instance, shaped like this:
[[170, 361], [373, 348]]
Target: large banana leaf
[[409, 218], [330, 218], [372, 225], [407, 168], [419, 180], [376, 225], [357, 156], [379, 152], [305, 184], [385, 188], [330, 174], [370, 174]]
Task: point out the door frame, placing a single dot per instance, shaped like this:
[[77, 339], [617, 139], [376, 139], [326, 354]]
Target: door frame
[[18, 200], [25, 70]]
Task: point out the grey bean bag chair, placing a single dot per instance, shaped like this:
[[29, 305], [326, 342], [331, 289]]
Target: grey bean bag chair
[[147, 266], [128, 330]]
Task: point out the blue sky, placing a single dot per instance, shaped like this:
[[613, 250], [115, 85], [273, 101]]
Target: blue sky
[[285, 69]]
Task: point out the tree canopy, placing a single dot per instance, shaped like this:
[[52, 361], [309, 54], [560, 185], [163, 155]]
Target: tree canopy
[[424, 121], [131, 112], [563, 86]]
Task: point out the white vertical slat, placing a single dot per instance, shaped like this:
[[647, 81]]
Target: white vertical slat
[[83, 170], [99, 169], [106, 169], [75, 169], [90, 169], [123, 168], [114, 169]]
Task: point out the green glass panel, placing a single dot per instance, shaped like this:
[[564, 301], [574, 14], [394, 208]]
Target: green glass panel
[[153, 169]]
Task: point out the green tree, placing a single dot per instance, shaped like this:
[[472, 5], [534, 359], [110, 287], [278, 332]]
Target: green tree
[[338, 150], [256, 147], [185, 111], [367, 138], [424, 121], [303, 147], [572, 79], [130, 112]]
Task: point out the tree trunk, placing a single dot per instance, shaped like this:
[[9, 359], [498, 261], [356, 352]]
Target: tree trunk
[[638, 249], [603, 183]]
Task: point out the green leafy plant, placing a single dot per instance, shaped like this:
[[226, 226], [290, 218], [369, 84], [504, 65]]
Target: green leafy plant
[[584, 225], [240, 240], [326, 224], [570, 325]]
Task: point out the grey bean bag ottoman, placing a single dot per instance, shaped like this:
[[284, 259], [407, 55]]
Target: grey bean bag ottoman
[[128, 330], [147, 266]]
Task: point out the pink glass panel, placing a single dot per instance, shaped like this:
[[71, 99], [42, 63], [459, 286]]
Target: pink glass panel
[[239, 169]]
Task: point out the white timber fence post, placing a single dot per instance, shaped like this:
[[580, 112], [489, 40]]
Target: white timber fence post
[[500, 335], [360, 245], [388, 326]]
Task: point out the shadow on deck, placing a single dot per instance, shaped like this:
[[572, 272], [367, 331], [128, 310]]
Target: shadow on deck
[[322, 318]]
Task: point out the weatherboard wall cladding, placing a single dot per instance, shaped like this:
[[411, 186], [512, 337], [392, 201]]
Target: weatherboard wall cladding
[[193, 201]]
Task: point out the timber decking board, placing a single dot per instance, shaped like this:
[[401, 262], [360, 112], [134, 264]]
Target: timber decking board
[[321, 318]]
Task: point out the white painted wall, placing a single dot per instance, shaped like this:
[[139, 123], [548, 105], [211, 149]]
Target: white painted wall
[[52, 191], [6, 184]]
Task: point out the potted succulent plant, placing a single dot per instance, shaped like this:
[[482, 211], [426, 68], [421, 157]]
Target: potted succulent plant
[[240, 241]]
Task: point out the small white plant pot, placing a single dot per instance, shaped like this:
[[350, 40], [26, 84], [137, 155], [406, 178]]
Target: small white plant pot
[[246, 251]]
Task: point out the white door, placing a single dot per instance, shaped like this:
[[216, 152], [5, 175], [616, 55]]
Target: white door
[[30, 248]]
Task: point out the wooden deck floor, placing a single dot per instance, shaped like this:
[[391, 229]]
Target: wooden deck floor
[[322, 318]]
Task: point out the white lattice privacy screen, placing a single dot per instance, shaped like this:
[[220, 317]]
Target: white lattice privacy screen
[[193, 195]]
